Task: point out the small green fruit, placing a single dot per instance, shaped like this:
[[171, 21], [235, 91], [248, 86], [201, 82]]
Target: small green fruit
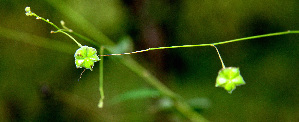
[[229, 78], [85, 57]]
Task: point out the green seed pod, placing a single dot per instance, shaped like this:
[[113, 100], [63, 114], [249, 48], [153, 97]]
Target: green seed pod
[[229, 78], [85, 57]]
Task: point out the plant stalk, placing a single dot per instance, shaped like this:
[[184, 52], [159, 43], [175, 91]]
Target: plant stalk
[[101, 79]]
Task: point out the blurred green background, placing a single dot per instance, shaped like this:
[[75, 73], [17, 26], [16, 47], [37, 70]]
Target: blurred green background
[[39, 80]]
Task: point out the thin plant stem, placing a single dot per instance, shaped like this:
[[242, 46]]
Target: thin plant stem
[[91, 30], [258, 36], [217, 43], [101, 80], [30, 13], [69, 36], [223, 66], [86, 39], [46, 20]]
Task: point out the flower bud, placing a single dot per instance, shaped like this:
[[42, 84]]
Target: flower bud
[[27, 9]]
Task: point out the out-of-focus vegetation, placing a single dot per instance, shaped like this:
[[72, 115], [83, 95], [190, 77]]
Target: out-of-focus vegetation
[[39, 82]]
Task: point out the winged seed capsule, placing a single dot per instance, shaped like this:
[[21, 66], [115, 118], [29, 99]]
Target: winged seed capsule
[[229, 78], [85, 57]]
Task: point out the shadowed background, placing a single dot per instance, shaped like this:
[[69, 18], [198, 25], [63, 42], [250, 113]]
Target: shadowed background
[[39, 80]]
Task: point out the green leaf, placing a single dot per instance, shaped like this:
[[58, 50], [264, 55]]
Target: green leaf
[[125, 44], [199, 103], [85, 57], [229, 78], [136, 94]]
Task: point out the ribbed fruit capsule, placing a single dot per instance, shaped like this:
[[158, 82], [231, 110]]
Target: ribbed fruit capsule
[[85, 57], [229, 78]]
